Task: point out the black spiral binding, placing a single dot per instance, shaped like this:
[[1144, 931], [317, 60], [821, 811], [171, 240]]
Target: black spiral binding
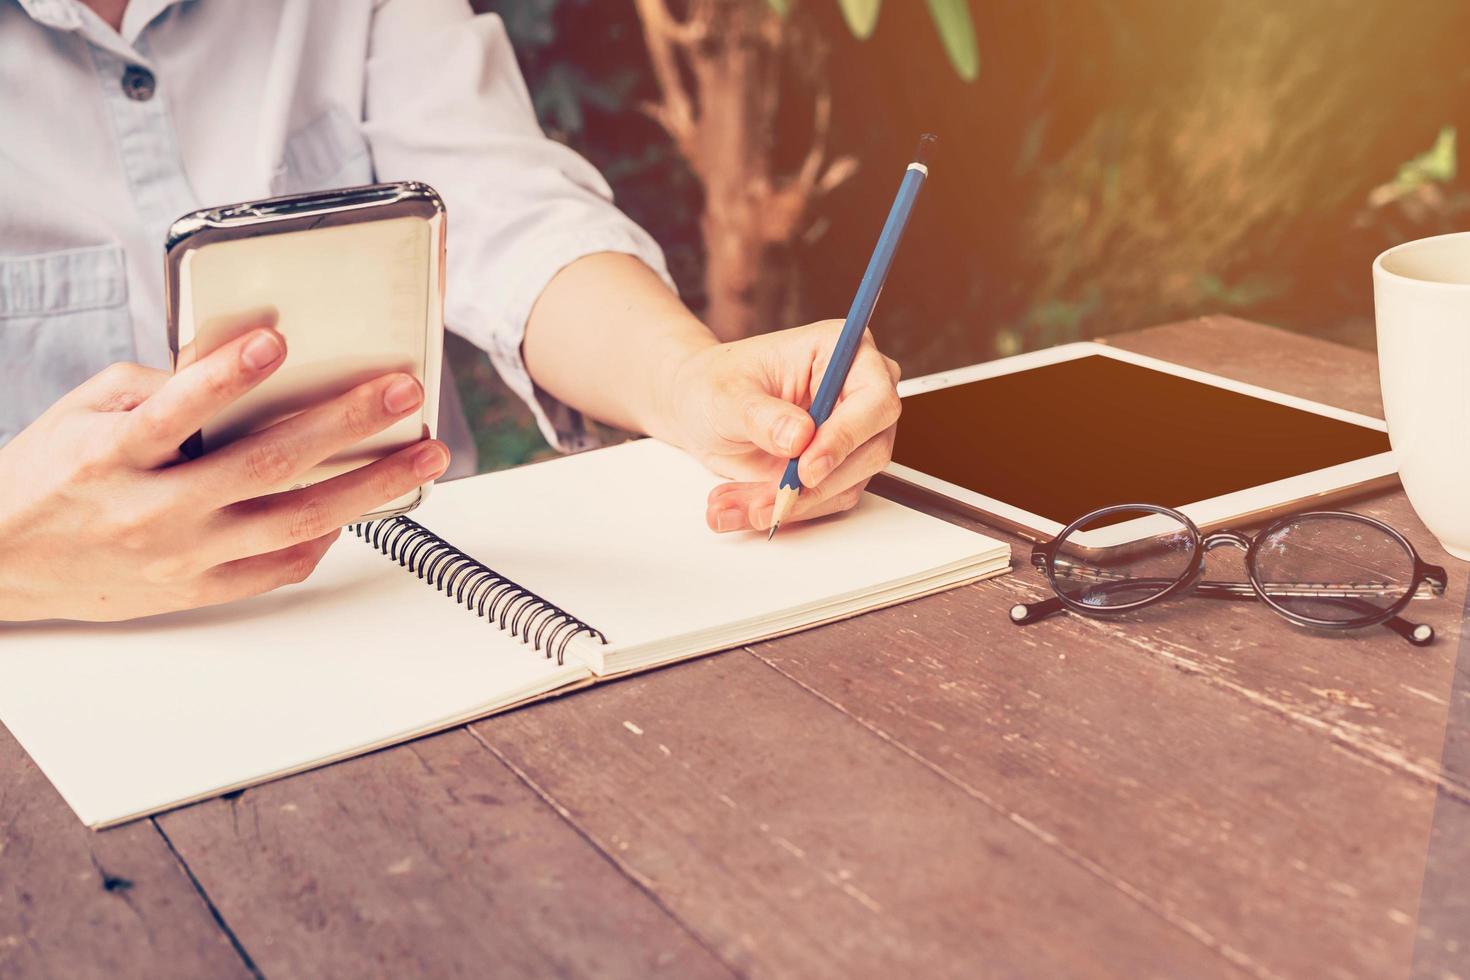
[[476, 586]]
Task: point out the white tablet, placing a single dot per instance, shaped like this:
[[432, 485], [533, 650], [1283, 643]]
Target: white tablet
[[1035, 441]]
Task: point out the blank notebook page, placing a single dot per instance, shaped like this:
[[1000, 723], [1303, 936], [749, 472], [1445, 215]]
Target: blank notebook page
[[130, 718], [618, 539], [126, 719]]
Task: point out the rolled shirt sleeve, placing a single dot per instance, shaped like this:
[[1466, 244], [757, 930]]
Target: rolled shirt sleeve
[[446, 104]]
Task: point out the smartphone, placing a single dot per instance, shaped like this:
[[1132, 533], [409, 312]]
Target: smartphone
[[356, 277]]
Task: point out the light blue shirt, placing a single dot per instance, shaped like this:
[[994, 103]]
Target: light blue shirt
[[107, 136]]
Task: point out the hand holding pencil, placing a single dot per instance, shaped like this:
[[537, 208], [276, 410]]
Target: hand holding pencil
[[856, 325], [738, 407]]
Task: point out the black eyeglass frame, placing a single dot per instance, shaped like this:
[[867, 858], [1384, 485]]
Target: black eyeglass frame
[[1043, 557]]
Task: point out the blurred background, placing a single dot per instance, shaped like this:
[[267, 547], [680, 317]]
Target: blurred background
[[1105, 164]]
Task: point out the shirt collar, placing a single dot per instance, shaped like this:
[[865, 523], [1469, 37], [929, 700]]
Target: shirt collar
[[140, 14], [61, 14], [67, 15]]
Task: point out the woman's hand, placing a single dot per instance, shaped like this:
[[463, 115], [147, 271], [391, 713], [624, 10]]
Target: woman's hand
[[102, 519], [607, 337], [739, 408]]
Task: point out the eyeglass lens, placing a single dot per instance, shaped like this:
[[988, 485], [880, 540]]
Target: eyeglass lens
[[1334, 569], [1122, 558]]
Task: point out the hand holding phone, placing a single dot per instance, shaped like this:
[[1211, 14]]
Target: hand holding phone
[[307, 335], [104, 520], [355, 278]]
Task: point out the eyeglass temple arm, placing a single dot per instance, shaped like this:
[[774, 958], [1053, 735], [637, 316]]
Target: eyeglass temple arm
[[1026, 613], [1347, 592], [1419, 634], [1433, 581]]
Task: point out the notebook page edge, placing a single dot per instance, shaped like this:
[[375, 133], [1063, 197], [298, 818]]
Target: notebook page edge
[[606, 663], [435, 728]]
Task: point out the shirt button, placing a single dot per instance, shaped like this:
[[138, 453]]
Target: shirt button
[[138, 83]]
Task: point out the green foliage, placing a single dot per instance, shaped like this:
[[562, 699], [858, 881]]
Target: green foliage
[[1435, 165], [1251, 291], [505, 433], [861, 16], [1049, 321], [567, 89], [957, 31], [1056, 319], [529, 22], [563, 89], [951, 18]]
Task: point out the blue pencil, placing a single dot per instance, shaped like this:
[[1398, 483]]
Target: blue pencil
[[858, 316]]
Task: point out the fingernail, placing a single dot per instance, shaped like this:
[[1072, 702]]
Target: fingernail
[[730, 519], [261, 351], [786, 434], [818, 470], [402, 395], [430, 461], [763, 516]]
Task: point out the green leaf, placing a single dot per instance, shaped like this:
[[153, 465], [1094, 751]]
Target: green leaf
[[781, 7], [1434, 166], [861, 16], [957, 31]]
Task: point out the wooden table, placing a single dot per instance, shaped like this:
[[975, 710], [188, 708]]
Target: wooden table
[[1203, 791]]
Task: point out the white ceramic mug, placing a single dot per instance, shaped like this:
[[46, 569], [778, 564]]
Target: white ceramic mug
[[1421, 295]]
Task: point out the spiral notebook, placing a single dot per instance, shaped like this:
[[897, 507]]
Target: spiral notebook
[[500, 589]]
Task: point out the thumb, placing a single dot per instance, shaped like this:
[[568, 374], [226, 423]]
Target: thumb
[[775, 425]]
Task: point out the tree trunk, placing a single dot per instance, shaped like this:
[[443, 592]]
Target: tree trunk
[[720, 74], [737, 77]]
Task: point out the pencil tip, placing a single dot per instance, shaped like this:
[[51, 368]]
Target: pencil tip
[[928, 143], [781, 509]]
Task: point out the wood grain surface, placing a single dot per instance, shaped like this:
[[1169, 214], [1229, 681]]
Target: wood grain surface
[[75, 903], [1197, 791]]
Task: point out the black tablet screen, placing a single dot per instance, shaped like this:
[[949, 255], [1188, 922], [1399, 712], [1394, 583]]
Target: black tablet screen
[[1067, 438]]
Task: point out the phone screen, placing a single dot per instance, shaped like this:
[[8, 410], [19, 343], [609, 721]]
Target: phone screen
[[1067, 438]]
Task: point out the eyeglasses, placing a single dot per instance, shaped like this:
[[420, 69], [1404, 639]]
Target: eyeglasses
[[1328, 570]]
